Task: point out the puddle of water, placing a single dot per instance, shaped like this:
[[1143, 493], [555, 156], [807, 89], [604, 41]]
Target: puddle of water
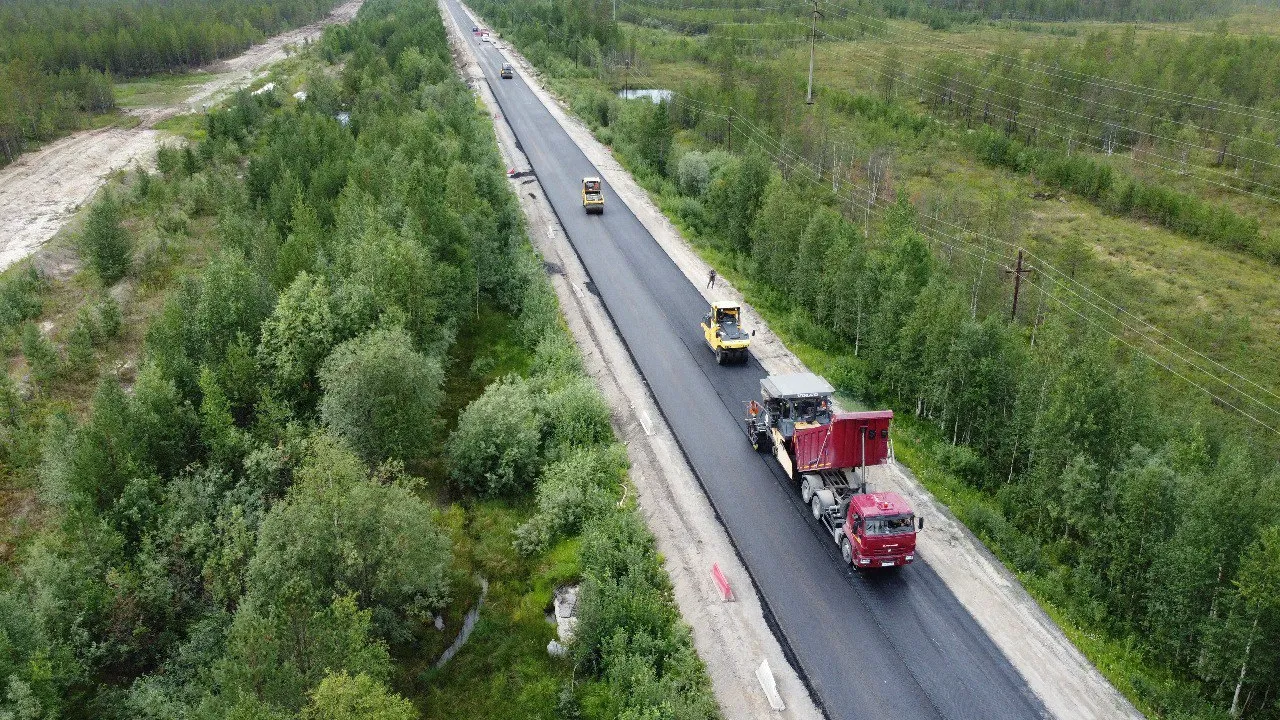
[[654, 95], [468, 624]]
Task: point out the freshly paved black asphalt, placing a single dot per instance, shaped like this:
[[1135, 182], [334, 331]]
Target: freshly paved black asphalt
[[878, 645]]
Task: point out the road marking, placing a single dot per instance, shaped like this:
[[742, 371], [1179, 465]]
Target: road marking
[[646, 423], [770, 687]]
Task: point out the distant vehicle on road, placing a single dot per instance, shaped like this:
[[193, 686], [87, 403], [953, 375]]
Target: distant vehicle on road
[[722, 329], [475, 30], [593, 195], [507, 71], [484, 36], [828, 454]]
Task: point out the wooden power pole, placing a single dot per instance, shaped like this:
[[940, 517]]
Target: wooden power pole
[[1017, 271], [813, 39]]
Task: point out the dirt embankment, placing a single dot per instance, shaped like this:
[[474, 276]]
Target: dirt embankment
[[41, 190]]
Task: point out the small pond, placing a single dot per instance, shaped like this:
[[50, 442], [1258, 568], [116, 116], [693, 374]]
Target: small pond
[[655, 95]]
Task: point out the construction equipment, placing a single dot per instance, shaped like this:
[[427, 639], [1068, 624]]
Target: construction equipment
[[593, 195], [507, 72], [827, 454], [722, 329]]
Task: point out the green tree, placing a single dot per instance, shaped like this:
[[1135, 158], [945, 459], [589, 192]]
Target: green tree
[[494, 450], [105, 244], [572, 491], [343, 697], [276, 659], [735, 196], [41, 356], [1258, 583], [338, 530], [300, 333], [381, 395], [576, 416]]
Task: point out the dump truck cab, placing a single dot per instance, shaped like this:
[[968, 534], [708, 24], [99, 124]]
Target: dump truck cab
[[828, 454], [879, 531], [593, 195], [722, 329], [507, 72]]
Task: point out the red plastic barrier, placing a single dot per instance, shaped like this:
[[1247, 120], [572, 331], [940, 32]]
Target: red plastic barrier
[[722, 582]]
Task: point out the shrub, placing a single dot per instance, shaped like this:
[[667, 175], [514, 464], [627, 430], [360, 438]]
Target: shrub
[[105, 244], [343, 697], [960, 460], [576, 416], [109, 319], [556, 357], [494, 450], [42, 358], [573, 490], [380, 395], [20, 296], [80, 342], [340, 530], [693, 174]]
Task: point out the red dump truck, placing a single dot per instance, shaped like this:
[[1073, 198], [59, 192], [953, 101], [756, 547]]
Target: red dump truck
[[827, 454]]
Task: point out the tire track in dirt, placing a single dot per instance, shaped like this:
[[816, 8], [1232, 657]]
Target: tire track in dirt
[[41, 190]]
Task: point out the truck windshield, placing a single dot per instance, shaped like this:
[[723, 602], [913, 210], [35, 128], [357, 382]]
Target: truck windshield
[[813, 410], [891, 525]]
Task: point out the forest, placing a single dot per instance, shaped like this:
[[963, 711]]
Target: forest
[[309, 385], [57, 60], [1135, 511], [1180, 129], [947, 11]]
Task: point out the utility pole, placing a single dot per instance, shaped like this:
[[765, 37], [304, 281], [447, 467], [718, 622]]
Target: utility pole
[[813, 39], [626, 78], [1017, 273]]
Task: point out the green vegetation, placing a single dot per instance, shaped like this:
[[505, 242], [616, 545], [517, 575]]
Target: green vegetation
[[133, 38], [943, 13], [58, 60], [230, 459], [1140, 515]]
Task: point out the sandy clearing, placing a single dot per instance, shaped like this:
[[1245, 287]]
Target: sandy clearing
[[731, 638], [41, 190], [1060, 675]]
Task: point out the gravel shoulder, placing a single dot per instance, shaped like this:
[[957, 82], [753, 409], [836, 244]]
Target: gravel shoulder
[[1061, 676], [731, 638], [41, 190]]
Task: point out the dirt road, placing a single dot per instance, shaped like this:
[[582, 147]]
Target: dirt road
[[41, 190]]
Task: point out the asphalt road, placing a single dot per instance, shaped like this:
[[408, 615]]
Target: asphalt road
[[894, 644]]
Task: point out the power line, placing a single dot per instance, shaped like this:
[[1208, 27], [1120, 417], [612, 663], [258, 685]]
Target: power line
[[777, 151], [775, 146], [1023, 63], [1109, 83], [1070, 132]]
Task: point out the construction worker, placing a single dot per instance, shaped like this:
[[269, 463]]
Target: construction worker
[[711, 278]]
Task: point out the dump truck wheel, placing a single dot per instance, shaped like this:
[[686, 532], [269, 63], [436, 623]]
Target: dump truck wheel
[[846, 550], [816, 506], [806, 491]]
